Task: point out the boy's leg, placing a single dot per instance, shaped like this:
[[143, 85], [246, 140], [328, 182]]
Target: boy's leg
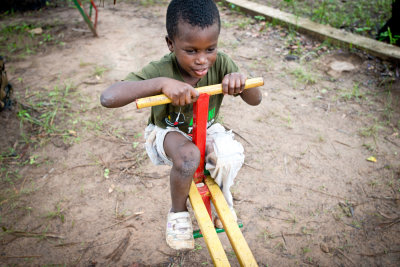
[[185, 157]]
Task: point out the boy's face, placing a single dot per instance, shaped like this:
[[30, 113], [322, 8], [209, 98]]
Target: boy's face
[[195, 48]]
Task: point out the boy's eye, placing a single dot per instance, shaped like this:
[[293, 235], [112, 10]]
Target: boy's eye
[[210, 50], [190, 51]]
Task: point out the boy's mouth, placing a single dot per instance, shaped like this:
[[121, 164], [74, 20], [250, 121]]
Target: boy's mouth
[[201, 72]]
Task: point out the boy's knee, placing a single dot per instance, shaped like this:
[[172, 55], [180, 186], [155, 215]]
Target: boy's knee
[[188, 159]]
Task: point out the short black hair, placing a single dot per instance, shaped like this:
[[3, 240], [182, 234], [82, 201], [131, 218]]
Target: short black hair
[[199, 13]]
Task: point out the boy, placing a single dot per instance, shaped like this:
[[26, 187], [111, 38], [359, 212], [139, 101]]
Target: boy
[[193, 28]]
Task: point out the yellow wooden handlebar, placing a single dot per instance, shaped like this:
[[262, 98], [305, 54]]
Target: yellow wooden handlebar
[[210, 89]]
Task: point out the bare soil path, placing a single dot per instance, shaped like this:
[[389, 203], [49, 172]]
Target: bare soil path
[[307, 195]]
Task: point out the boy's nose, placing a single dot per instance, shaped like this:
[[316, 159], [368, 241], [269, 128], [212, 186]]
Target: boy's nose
[[201, 59]]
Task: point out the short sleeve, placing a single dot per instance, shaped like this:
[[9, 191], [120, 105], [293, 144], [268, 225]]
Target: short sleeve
[[227, 64], [147, 72]]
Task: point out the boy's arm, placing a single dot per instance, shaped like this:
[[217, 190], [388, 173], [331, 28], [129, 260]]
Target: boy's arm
[[233, 84], [125, 92], [252, 96]]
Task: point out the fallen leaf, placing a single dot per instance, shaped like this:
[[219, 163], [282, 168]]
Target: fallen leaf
[[72, 132], [111, 189], [372, 159], [324, 248], [36, 31]]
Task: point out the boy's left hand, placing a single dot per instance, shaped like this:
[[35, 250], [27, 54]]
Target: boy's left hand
[[233, 83]]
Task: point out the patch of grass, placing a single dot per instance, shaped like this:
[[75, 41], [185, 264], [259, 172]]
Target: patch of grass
[[18, 40], [388, 35], [94, 125], [307, 231], [148, 3], [373, 183], [10, 176], [304, 76], [363, 17], [58, 213], [234, 8], [84, 64], [259, 18], [289, 122], [320, 138], [280, 247], [388, 111], [370, 131], [369, 147], [47, 113], [197, 247], [99, 71], [356, 224], [305, 250], [267, 235], [225, 24], [354, 93], [242, 23]]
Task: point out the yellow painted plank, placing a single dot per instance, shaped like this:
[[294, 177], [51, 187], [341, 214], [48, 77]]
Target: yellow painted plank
[[213, 243], [239, 244], [210, 89]]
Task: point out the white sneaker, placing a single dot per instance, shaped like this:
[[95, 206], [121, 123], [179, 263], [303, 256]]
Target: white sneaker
[[179, 231]]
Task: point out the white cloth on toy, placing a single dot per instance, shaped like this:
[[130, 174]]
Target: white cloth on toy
[[227, 161]]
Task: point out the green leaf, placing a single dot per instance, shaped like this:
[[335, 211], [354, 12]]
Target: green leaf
[[135, 144], [106, 173]]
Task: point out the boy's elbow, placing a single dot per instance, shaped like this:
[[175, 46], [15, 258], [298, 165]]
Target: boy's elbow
[[106, 101], [254, 97], [257, 99], [255, 102]]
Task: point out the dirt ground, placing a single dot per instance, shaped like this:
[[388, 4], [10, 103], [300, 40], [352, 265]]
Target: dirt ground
[[321, 180]]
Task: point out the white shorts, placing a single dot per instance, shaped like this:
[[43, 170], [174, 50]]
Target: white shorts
[[224, 164]]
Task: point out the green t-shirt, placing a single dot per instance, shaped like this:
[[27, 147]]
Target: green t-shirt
[[182, 117]]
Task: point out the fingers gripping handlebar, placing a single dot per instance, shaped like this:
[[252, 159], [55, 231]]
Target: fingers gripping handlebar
[[211, 90]]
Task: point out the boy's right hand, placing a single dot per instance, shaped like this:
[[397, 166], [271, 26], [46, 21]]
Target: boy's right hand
[[180, 93]]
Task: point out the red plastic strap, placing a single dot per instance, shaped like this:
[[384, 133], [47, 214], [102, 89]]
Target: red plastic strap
[[200, 116], [95, 18], [205, 196]]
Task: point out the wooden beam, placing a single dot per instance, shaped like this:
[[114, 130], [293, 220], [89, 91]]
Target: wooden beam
[[213, 243], [239, 244]]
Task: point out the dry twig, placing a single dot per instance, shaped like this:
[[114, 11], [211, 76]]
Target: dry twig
[[338, 251], [379, 253], [313, 190], [244, 139], [385, 198], [33, 234], [120, 250], [83, 254], [20, 257], [247, 165], [389, 223], [342, 143], [126, 219]]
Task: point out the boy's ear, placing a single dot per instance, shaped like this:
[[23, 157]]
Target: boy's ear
[[169, 43]]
